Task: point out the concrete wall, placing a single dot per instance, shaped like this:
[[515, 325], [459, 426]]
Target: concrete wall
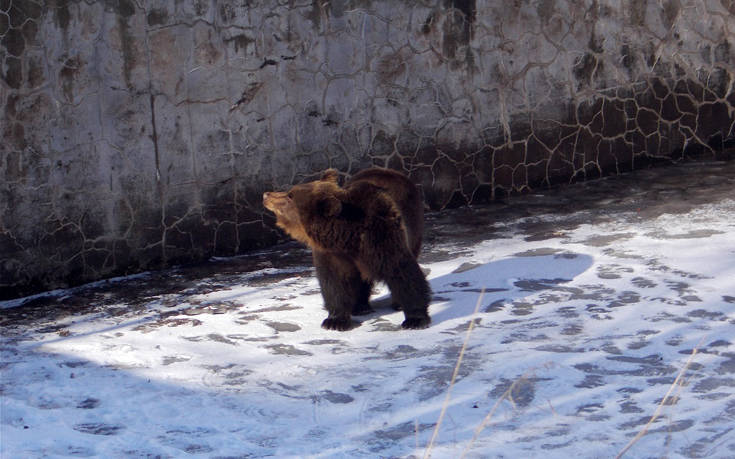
[[139, 134]]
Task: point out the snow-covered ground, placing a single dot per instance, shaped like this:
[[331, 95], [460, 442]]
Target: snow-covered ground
[[585, 331]]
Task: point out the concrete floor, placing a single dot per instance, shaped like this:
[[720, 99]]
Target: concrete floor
[[599, 298]]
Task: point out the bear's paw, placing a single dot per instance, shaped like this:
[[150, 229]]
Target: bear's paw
[[340, 324], [416, 323]]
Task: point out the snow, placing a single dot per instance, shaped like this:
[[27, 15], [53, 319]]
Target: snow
[[576, 343]]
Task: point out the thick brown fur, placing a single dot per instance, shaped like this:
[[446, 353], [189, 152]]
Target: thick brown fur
[[370, 230]]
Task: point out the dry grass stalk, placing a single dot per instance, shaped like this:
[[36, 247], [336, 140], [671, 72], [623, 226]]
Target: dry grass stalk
[[445, 405], [661, 405], [507, 395]]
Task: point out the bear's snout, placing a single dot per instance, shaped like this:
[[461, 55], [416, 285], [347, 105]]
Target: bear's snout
[[267, 200], [275, 201]]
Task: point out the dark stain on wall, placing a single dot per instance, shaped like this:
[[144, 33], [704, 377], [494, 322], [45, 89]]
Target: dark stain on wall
[[13, 72], [586, 69], [723, 52], [241, 42], [670, 12], [61, 13], [71, 67], [157, 16], [453, 24], [17, 32], [315, 13], [13, 42], [637, 11], [124, 9], [628, 57]]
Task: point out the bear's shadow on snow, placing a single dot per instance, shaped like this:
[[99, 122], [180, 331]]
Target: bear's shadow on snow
[[455, 294]]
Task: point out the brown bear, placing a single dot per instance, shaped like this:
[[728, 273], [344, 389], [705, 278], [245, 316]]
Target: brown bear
[[369, 230]]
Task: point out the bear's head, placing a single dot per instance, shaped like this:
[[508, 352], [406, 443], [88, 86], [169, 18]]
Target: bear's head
[[299, 207]]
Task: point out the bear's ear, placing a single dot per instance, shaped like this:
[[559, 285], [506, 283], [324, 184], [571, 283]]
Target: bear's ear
[[330, 175], [330, 206]]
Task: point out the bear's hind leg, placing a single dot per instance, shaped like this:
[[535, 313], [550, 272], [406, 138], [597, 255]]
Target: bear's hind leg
[[362, 305], [411, 292], [341, 286]]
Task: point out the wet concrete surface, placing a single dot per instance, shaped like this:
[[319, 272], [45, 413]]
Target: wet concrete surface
[[634, 197], [545, 314]]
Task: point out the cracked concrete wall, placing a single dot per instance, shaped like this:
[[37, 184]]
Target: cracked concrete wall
[[140, 134]]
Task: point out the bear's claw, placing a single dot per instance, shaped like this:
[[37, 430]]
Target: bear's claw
[[337, 324], [416, 322]]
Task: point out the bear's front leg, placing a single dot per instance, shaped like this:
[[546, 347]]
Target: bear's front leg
[[341, 287]]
